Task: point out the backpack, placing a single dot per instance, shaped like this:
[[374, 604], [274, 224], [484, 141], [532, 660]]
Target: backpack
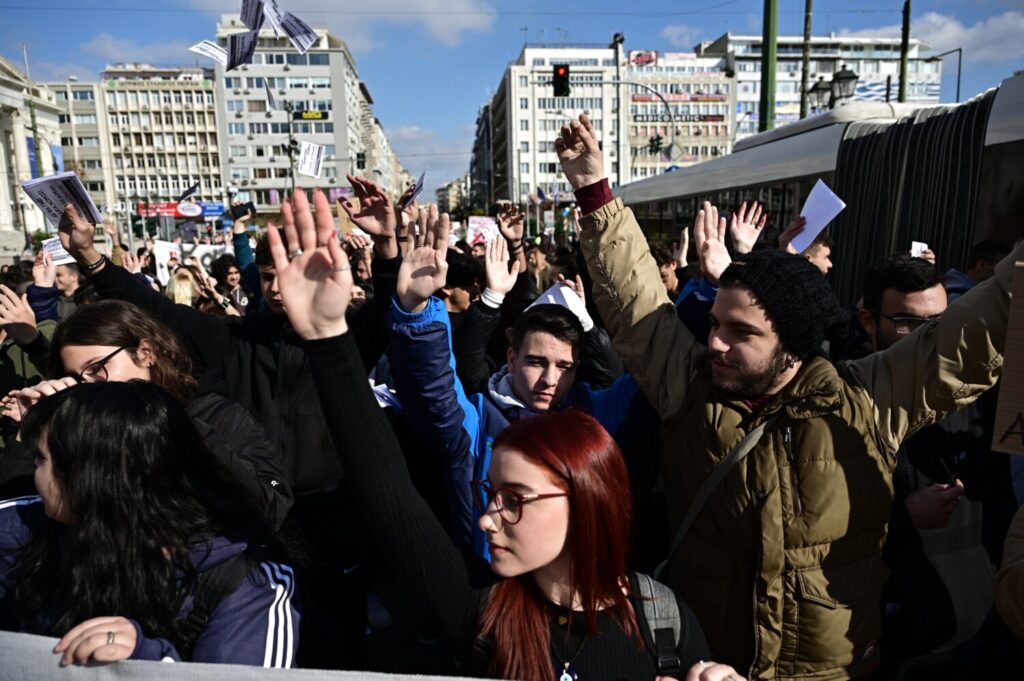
[[661, 633]]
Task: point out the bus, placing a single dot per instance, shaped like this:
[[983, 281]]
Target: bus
[[948, 175]]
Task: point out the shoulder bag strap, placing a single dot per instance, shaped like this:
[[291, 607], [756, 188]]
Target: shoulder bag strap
[[738, 453]]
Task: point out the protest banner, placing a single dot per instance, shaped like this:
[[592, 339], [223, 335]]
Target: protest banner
[[1008, 433]]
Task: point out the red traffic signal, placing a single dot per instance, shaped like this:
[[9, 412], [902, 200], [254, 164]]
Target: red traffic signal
[[560, 80]]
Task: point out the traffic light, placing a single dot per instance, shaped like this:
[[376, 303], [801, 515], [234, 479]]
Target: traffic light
[[654, 145], [360, 161], [560, 79]]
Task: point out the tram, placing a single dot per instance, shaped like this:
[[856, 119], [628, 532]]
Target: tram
[[948, 175]]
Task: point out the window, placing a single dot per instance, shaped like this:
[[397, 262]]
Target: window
[[257, 105], [236, 128], [84, 95], [91, 164], [67, 141], [524, 168], [320, 83], [88, 141], [296, 59], [524, 147], [94, 186], [524, 81], [230, 84], [63, 118], [298, 83], [62, 96], [258, 128], [319, 59], [524, 125], [524, 103]]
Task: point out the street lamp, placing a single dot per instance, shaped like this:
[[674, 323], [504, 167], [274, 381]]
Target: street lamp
[[843, 85], [819, 93], [959, 62]]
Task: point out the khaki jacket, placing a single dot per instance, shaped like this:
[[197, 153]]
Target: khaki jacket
[[783, 566]]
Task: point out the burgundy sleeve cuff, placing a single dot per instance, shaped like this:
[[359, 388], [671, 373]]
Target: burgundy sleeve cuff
[[594, 196]]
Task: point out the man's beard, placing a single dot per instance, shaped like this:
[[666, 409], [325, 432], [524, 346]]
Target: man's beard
[[754, 383]]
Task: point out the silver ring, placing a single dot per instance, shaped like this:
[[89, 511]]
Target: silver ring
[[110, 638], [294, 254]]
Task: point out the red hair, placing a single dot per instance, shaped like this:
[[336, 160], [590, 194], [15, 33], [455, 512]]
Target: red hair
[[583, 459]]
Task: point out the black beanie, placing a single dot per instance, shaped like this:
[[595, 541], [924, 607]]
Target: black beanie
[[793, 292], [464, 271]]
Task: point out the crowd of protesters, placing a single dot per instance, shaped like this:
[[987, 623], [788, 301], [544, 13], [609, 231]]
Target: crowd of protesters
[[604, 459]]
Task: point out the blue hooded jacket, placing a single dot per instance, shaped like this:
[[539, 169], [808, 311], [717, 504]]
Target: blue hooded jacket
[[257, 624]]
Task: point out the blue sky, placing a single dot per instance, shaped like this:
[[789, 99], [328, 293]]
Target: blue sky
[[430, 64]]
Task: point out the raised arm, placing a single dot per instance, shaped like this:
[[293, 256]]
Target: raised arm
[[646, 332], [207, 335], [942, 366], [316, 287]]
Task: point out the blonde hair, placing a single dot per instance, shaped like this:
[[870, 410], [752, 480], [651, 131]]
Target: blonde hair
[[182, 288]]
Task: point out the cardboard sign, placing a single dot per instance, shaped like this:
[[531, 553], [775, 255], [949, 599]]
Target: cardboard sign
[[1008, 433]]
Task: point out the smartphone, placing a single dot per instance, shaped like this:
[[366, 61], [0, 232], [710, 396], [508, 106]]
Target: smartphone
[[243, 210]]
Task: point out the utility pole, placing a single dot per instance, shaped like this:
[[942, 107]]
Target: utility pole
[[904, 50], [32, 116], [805, 74], [769, 54]]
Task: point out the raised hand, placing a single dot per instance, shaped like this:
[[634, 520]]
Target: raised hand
[[17, 317], [376, 216], [77, 235], [44, 272], [100, 639], [681, 248], [131, 262], [709, 237], [579, 153], [576, 286], [356, 244], [316, 283], [499, 278], [510, 223], [792, 230], [424, 269], [746, 225], [238, 227]]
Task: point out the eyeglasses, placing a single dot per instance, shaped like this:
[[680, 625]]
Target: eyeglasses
[[908, 324], [507, 502], [96, 372]]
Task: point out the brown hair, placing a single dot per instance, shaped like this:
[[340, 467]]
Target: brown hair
[[119, 324]]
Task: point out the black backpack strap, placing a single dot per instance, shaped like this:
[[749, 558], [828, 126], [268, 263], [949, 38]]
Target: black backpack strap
[[211, 588], [661, 610]]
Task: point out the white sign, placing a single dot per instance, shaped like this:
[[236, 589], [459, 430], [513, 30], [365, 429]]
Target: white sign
[[212, 50], [481, 229], [821, 207], [917, 249], [52, 193], [165, 251], [252, 14], [189, 209], [55, 250], [311, 157], [274, 15], [302, 36], [241, 48]]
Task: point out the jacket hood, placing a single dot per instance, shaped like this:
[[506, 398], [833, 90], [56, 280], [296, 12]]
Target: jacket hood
[[957, 280], [499, 390]]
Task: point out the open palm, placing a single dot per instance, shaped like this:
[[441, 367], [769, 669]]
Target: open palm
[[316, 285], [376, 215], [424, 270]]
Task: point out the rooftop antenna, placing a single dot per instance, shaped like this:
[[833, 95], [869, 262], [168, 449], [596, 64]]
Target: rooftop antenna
[[526, 34]]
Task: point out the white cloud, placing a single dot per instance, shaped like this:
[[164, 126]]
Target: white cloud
[[126, 50], [996, 40], [443, 154], [681, 35], [444, 21]]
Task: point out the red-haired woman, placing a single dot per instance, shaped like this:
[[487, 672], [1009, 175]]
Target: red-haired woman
[[560, 603]]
